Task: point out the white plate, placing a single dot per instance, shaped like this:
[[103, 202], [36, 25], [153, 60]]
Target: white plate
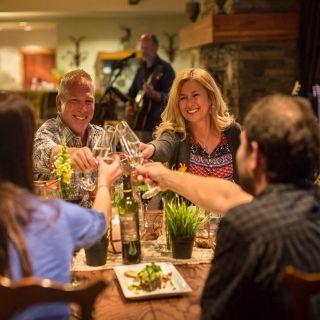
[[179, 286]]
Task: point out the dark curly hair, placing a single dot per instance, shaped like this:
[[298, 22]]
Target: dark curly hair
[[288, 135]]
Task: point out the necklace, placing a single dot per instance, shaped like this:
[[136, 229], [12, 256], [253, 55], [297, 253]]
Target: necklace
[[204, 145]]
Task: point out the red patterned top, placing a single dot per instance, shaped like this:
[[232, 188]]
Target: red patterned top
[[218, 164]]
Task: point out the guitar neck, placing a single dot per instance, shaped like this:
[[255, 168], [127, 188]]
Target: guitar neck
[[296, 89]]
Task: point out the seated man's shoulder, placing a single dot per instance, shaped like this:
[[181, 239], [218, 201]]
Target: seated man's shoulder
[[278, 210], [252, 215], [51, 123]]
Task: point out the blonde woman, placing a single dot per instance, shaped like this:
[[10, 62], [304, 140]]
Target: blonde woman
[[197, 130]]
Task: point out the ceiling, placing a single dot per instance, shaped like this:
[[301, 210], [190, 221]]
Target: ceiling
[[36, 9], [34, 15]]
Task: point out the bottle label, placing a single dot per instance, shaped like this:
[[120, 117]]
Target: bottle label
[[129, 230]]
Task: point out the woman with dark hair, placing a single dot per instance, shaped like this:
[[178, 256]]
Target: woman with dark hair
[[38, 237]]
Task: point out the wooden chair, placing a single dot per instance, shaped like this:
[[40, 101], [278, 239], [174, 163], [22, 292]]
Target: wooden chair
[[302, 285], [20, 295]]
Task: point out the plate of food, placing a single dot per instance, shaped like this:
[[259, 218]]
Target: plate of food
[[150, 280]]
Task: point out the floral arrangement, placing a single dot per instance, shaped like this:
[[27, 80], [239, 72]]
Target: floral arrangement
[[63, 170]]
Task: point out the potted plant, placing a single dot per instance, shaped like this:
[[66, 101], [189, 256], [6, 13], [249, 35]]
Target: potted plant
[[183, 222]]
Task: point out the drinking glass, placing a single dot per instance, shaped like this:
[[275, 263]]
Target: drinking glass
[[130, 143], [206, 235], [48, 189], [103, 147]]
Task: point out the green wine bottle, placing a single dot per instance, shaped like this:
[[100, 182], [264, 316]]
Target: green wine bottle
[[129, 224]]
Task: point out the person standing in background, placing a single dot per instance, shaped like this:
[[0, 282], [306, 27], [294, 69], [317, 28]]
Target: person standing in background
[[149, 90]]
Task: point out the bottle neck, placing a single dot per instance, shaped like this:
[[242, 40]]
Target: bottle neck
[[127, 188]]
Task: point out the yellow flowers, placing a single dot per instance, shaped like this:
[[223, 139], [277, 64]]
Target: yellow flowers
[[63, 170]]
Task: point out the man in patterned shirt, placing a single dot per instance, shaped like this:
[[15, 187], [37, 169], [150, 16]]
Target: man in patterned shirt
[[75, 106], [278, 159]]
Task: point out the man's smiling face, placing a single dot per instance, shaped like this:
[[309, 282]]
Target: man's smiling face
[[76, 107]]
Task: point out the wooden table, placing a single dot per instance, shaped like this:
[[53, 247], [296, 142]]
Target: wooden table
[[112, 305]]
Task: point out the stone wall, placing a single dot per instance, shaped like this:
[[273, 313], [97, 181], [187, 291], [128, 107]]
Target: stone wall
[[247, 71]]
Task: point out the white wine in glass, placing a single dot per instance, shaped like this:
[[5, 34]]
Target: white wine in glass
[[102, 148], [130, 144]]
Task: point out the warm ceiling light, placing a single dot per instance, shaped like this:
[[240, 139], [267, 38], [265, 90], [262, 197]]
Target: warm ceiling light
[[27, 28], [23, 24]]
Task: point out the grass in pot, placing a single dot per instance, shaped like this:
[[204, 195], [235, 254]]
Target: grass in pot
[[183, 222]]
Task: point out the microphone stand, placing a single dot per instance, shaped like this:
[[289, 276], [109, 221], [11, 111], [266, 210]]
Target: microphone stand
[[114, 76], [102, 108]]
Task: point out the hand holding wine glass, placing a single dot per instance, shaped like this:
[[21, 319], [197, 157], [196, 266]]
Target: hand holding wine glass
[[130, 143], [131, 146], [108, 173], [154, 174], [146, 150], [103, 147]]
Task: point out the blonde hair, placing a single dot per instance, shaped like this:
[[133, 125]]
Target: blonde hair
[[71, 78], [172, 119]]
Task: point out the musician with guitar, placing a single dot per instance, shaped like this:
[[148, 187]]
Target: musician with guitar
[[149, 90]]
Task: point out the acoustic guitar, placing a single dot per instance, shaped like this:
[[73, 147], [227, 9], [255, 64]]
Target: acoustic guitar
[[142, 103]]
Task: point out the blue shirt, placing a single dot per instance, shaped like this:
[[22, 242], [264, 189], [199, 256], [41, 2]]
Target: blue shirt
[[57, 229]]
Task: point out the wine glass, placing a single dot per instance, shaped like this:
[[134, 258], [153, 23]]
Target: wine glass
[[130, 144], [103, 147]]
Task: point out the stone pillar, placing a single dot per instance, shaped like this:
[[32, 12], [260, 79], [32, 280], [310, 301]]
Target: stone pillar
[[249, 70]]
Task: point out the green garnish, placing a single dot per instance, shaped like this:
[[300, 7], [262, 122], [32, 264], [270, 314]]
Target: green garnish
[[148, 279]]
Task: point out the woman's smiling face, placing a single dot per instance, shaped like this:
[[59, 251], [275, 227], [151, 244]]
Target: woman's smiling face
[[194, 102]]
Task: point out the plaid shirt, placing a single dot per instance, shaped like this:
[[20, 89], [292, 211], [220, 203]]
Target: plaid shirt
[[51, 134], [255, 242]]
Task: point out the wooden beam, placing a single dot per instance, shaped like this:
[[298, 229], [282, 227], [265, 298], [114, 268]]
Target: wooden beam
[[196, 34], [242, 27]]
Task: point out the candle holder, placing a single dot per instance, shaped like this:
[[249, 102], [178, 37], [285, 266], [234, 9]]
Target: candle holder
[[115, 234], [49, 189]]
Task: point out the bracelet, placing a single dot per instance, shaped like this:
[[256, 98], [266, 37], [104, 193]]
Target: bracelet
[[103, 185]]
